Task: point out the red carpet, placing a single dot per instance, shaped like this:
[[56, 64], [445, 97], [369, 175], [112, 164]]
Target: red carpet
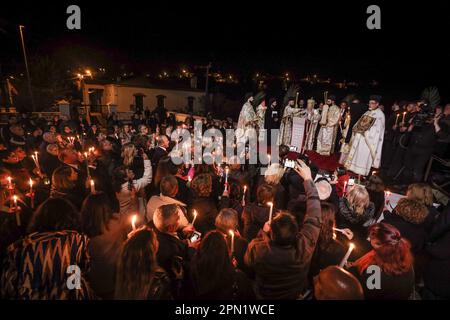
[[328, 163]]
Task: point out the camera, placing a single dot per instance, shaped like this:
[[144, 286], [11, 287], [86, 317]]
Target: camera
[[289, 164], [426, 114]]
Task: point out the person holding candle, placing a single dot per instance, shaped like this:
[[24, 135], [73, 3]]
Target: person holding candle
[[64, 185], [392, 254], [331, 246], [203, 204], [9, 230], [257, 213], [174, 251], [409, 217], [281, 254], [227, 220], [107, 230], [213, 276], [127, 189], [139, 277], [168, 190], [356, 212]]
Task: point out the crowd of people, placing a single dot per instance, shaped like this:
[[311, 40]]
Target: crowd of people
[[102, 212]]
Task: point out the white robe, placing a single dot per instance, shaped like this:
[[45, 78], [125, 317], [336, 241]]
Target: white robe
[[247, 115], [365, 149], [327, 134], [313, 117], [285, 135]]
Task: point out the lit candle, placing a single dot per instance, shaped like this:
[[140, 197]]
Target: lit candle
[[16, 208], [243, 196], [31, 193], [133, 221], [9, 182], [270, 159], [347, 255], [195, 217], [270, 204], [374, 172], [345, 187], [396, 119], [231, 232], [87, 163], [37, 159], [403, 119], [226, 175], [92, 186]]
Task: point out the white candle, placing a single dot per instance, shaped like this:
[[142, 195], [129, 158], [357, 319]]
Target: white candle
[[270, 159], [347, 255], [345, 187], [9, 182], [243, 196], [270, 204], [396, 119], [17, 211], [231, 232], [133, 221], [226, 175], [195, 217], [31, 186], [37, 160], [87, 163], [92, 186], [403, 120]]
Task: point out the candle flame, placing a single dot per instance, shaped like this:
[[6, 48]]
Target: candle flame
[[270, 204], [351, 246], [133, 221], [31, 182], [231, 232]]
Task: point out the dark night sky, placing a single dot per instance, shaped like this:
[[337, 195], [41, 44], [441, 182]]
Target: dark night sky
[[409, 53]]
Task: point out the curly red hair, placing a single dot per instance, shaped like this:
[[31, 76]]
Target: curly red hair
[[393, 255]]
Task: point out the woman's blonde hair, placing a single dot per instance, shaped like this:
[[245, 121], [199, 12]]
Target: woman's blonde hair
[[358, 199], [420, 192], [128, 153]]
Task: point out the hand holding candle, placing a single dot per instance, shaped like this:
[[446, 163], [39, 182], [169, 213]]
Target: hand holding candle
[[347, 255], [270, 204], [10, 186], [92, 186], [17, 211], [226, 175], [231, 232], [133, 221], [243, 196]]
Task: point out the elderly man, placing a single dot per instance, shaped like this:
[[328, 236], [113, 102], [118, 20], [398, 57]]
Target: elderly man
[[169, 189], [173, 252]]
